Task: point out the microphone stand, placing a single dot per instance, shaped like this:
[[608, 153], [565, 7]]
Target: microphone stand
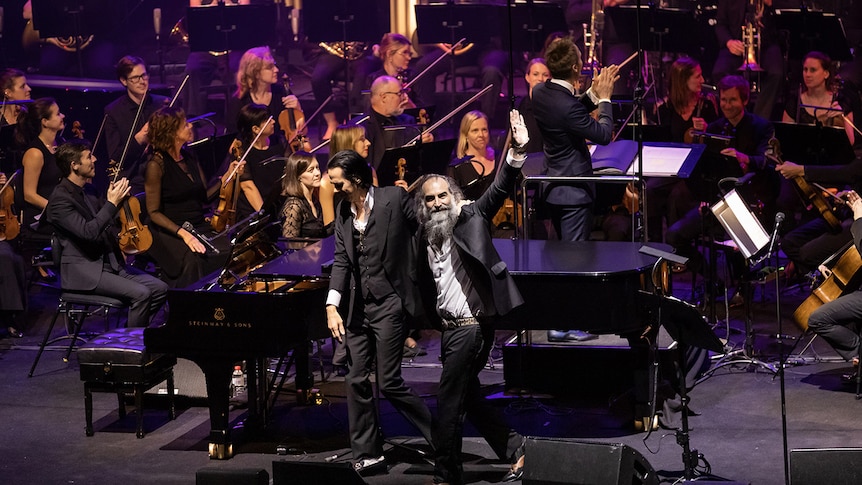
[[782, 357]]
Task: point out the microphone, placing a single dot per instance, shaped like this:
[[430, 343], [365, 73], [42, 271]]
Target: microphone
[[200, 237], [779, 218], [708, 87], [157, 21]]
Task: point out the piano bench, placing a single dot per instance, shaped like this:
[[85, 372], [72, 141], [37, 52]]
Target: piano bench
[[117, 362]]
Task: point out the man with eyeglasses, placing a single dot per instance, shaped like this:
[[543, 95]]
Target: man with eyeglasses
[[388, 101], [120, 136]]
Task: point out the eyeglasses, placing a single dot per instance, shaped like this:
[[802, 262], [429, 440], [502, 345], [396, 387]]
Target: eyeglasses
[[403, 92], [338, 185], [139, 78]]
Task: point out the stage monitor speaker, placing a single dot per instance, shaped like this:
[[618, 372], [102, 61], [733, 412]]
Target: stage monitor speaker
[[235, 476], [304, 472], [554, 461], [827, 465]]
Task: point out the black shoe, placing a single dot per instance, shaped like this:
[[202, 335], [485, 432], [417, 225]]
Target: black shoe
[[14, 332], [411, 352], [370, 466], [517, 470]]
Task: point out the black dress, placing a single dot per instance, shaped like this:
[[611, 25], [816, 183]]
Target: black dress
[[300, 221], [275, 108], [267, 179], [49, 177]]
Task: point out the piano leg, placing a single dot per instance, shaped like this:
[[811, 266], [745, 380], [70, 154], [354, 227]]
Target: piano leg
[[304, 378], [218, 375]]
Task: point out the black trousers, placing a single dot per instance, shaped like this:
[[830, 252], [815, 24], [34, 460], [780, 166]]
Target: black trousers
[[465, 352], [380, 337], [838, 323], [812, 243], [144, 293]]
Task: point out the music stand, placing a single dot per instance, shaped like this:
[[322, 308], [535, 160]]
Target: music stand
[[813, 31], [669, 29], [538, 21], [667, 159], [75, 18], [231, 27], [751, 238], [813, 144], [687, 327], [420, 159]]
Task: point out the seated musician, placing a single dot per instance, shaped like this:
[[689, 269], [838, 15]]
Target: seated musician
[[475, 166], [176, 192], [13, 82], [257, 81], [388, 101], [260, 177], [535, 73], [13, 280], [685, 109], [464, 295], [750, 136], [38, 130], [838, 320], [345, 137], [91, 260], [302, 213], [125, 142]]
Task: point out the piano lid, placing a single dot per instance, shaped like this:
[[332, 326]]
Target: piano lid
[[312, 261]]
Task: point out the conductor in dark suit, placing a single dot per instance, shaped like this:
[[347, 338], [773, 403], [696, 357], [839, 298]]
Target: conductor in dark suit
[[91, 260], [565, 124], [462, 276], [372, 289]]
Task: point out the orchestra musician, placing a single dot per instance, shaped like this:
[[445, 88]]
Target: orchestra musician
[[746, 154], [535, 73], [686, 108], [815, 240], [13, 82], [38, 130], [345, 137], [91, 260], [257, 81], [302, 213], [327, 69], [203, 67], [261, 176], [388, 101], [176, 193], [13, 282], [372, 289], [120, 115], [475, 166], [464, 292]]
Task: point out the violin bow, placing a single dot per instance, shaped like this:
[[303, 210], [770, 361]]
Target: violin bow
[[451, 114], [247, 151], [308, 119], [128, 138], [446, 53], [177, 94]]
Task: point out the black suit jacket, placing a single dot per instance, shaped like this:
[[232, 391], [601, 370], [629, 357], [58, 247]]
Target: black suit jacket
[[82, 235], [566, 125], [391, 228], [490, 276]]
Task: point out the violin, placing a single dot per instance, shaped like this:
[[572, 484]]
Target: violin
[[843, 278], [9, 225], [225, 214], [812, 197], [134, 236], [289, 119]]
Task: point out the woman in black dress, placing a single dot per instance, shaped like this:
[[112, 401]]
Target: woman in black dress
[[259, 180], [303, 216], [177, 193]]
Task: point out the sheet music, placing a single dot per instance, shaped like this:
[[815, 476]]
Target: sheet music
[[661, 161]]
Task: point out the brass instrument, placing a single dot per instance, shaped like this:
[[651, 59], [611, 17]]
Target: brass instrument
[[30, 38], [350, 51], [751, 37], [593, 40], [180, 35]]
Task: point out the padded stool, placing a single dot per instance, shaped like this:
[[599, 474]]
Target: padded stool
[[118, 362]]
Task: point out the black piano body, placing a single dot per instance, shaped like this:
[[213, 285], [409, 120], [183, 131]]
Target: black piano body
[[215, 328]]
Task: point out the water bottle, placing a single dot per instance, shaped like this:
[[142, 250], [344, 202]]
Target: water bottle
[[237, 382]]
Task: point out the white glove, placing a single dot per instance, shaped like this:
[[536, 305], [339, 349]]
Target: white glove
[[519, 129]]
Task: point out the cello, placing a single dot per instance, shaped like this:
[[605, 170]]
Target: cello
[[9, 225], [843, 278], [225, 214]]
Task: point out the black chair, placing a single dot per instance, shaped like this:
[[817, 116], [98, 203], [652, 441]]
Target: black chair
[[75, 306]]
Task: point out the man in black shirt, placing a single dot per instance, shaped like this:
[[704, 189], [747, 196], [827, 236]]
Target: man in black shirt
[[388, 126]]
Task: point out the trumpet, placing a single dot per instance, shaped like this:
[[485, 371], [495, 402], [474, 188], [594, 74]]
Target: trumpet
[[751, 38], [593, 40]]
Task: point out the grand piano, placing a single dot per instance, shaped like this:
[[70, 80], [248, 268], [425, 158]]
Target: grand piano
[[265, 303]]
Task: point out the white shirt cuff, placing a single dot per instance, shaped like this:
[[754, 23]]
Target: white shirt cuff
[[514, 159], [333, 298]]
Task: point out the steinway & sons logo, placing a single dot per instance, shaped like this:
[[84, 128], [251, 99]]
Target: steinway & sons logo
[[219, 320]]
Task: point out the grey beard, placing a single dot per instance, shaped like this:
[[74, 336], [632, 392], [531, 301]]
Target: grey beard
[[439, 227]]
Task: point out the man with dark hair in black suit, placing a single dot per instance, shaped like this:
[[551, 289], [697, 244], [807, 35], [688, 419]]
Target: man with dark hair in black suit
[[565, 124], [91, 260], [372, 289]]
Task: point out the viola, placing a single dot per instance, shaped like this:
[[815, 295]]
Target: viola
[[289, 119], [812, 198], [9, 225], [843, 278], [135, 237]]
